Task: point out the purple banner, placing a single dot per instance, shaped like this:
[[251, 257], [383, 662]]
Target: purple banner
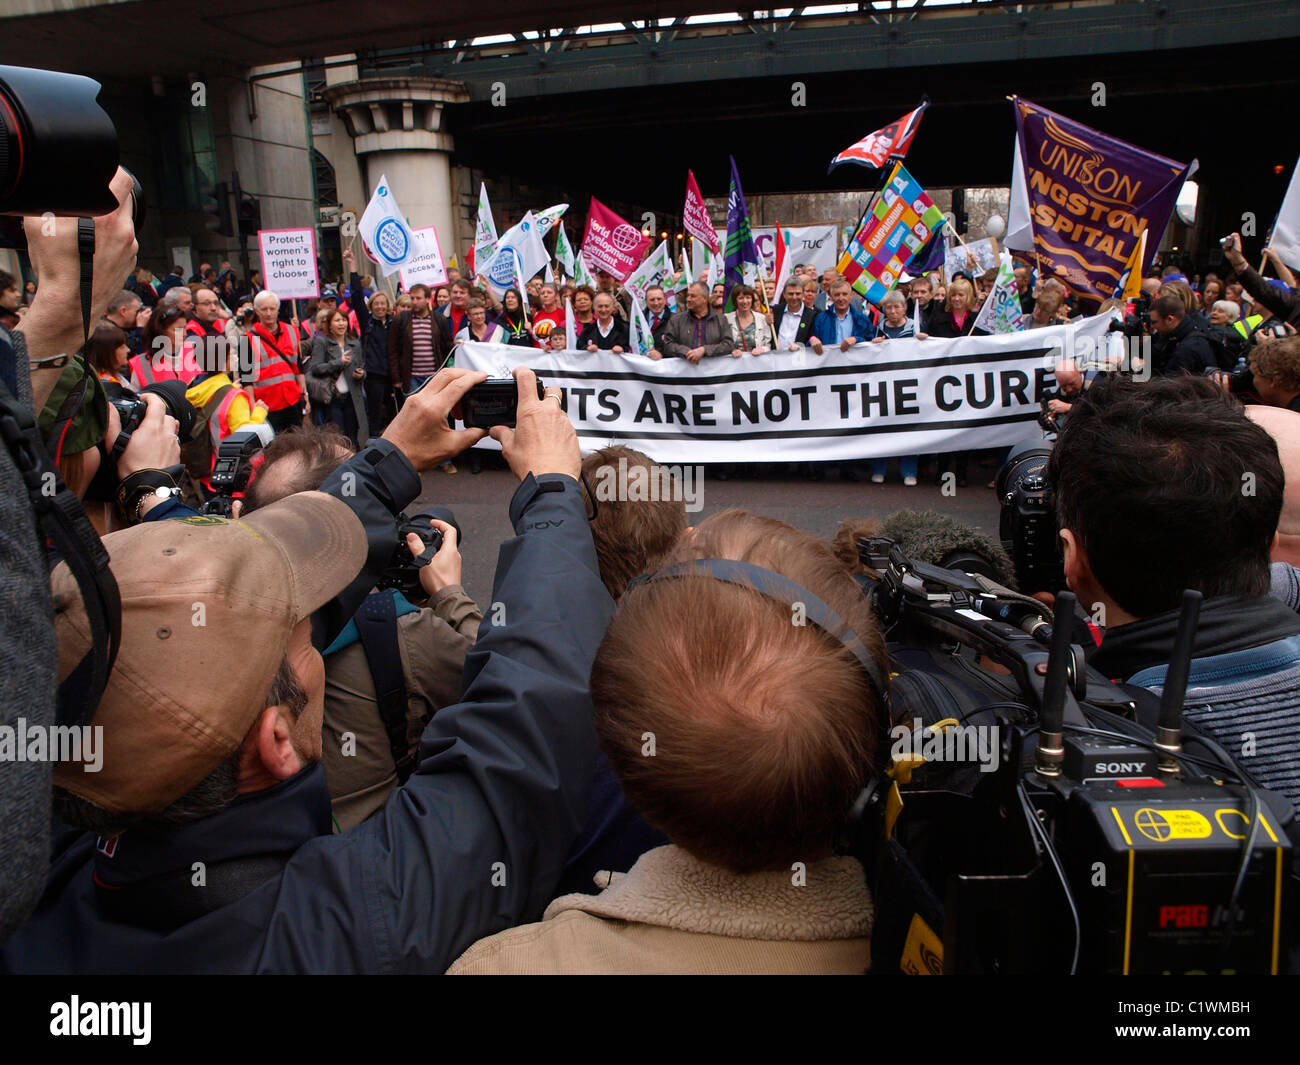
[[1090, 197]]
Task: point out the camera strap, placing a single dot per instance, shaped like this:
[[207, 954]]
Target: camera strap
[[86, 252], [62, 520], [377, 627]]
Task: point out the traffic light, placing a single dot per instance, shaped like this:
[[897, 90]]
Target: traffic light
[[250, 214], [216, 202]]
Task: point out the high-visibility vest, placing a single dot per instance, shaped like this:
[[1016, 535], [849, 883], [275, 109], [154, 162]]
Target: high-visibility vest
[[275, 374], [145, 372], [210, 342], [1247, 326]]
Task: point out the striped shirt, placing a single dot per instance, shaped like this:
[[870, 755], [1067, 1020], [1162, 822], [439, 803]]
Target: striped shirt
[[423, 362]]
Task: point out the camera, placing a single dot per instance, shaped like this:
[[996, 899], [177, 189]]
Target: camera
[[131, 410], [1227, 242], [403, 573], [232, 471], [493, 402], [1027, 523], [1063, 840]]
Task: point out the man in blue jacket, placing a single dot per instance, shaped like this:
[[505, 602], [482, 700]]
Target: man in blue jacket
[[841, 324], [214, 851]]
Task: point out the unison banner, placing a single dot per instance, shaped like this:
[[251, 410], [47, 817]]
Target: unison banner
[[1090, 197], [901, 397]]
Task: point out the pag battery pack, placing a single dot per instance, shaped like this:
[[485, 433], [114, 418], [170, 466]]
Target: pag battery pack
[[1152, 864]]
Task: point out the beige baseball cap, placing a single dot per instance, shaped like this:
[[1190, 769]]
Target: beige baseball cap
[[208, 606]]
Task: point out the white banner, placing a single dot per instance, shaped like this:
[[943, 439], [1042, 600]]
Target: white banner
[[425, 266], [901, 397], [817, 245], [958, 256], [289, 262]]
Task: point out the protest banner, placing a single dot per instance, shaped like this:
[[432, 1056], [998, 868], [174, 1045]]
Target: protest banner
[[289, 262], [611, 243], [816, 245], [957, 258], [874, 401], [740, 257], [1090, 197], [425, 266]]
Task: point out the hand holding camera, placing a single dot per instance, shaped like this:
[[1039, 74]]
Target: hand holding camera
[[543, 439], [421, 430]]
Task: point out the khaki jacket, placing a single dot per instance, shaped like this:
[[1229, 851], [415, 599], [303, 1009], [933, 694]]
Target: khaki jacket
[[672, 913], [433, 643]]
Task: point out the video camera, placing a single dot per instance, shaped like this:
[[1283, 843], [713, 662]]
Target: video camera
[[1101, 836]]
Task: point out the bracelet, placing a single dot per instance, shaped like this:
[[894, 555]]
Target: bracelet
[[139, 483]]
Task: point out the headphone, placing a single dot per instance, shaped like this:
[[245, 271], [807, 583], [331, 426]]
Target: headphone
[[779, 589]]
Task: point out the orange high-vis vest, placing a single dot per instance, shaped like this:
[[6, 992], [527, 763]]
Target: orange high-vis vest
[[275, 370]]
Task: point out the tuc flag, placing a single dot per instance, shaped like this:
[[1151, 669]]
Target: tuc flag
[[612, 244], [695, 215], [1091, 197], [898, 227], [891, 141]]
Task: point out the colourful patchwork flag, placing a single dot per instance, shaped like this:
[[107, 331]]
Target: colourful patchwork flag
[[902, 222]]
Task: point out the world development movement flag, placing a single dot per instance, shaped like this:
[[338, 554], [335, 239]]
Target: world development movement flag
[[903, 220], [739, 248]]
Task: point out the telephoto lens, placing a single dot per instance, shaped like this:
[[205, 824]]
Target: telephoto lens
[[58, 147]]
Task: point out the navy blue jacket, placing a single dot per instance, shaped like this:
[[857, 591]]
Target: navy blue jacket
[[473, 843], [825, 326]]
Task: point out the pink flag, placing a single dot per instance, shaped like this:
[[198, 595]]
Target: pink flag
[[888, 142], [612, 244], [696, 216]]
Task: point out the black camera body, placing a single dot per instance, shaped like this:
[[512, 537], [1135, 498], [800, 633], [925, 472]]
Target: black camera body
[[232, 471], [1105, 836], [1027, 524], [493, 402], [403, 573]]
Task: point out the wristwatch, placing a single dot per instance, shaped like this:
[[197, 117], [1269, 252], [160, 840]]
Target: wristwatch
[[163, 493], [136, 487]]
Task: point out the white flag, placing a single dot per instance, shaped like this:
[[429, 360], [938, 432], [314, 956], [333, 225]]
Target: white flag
[[657, 265], [550, 275], [385, 236], [570, 327], [529, 256], [1001, 312], [641, 339], [1286, 230], [564, 252], [546, 219], [581, 275], [485, 233]]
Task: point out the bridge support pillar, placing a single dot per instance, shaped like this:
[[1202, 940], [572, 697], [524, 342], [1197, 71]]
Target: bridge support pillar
[[396, 125]]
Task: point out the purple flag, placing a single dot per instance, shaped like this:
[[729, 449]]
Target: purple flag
[[739, 248], [1090, 198]]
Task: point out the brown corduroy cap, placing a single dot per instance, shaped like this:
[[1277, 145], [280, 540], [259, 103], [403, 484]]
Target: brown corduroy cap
[[208, 606]]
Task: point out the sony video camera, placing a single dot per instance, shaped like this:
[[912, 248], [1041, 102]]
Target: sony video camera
[[1037, 817]]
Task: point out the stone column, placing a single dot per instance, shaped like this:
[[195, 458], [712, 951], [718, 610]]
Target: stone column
[[396, 126]]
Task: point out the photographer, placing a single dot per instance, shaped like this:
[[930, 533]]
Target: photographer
[[474, 840], [1283, 303], [429, 643], [706, 668], [1176, 345], [1151, 488]]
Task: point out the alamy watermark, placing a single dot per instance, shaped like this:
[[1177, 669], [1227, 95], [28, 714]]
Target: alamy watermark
[[955, 743], [21, 742], [650, 484]]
